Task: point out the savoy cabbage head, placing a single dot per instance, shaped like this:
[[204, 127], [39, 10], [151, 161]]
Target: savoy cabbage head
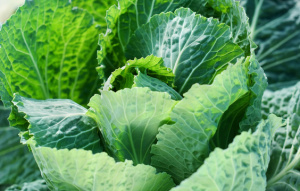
[[143, 95]]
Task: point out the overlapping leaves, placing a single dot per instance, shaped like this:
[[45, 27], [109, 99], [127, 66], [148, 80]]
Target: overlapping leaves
[[129, 120], [183, 146], [194, 47], [54, 58], [129, 16], [242, 166], [284, 169]]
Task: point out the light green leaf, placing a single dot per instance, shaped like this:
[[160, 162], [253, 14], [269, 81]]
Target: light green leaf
[[183, 146], [59, 123], [142, 80], [38, 185], [129, 120], [151, 65], [16, 162], [48, 50], [129, 16], [85, 171], [194, 47], [97, 8], [242, 166], [275, 28], [284, 169]]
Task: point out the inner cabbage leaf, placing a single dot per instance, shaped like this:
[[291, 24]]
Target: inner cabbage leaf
[[123, 20], [129, 120], [183, 146], [194, 47]]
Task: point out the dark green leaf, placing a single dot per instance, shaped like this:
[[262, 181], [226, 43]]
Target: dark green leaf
[[142, 80], [275, 27], [59, 123], [194, 47]]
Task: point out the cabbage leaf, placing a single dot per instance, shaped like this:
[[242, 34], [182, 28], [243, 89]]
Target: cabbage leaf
[[275, 28]]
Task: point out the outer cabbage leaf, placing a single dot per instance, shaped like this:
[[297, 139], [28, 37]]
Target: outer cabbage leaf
[[48, 50], [38, 185], [129, 120], [275, 28], [17, 163], [59, 123], [97, 8], [183, 146], [151, 65], [130, 15], [86, 171], [277, 102], [242, 166], [142, 80], [194, 47], [284, 169]]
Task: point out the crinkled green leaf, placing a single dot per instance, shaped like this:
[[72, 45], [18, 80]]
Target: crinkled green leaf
[[275, 28], [86, 171], [284, 169], [16, 162], [194, 47], [97, 8], [59, 123], [129, 16], [143, 80], [183, 146], [38, 185], [151, 65], [122, 21], [129, 120], [242, 166], [277, 102], [48, 50]]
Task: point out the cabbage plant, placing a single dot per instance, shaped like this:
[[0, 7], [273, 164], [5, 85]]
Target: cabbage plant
[[142, 95]]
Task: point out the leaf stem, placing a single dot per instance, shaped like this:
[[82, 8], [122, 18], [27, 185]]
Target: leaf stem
[[255, 18]]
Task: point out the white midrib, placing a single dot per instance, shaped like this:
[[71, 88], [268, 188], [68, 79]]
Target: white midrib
[[255, 17], [284, 171], [291, 163], [151, 10], [279, 44]]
